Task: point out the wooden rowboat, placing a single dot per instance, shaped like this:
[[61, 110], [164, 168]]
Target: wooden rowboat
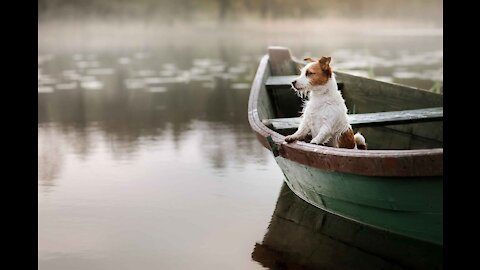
[[396, 185]]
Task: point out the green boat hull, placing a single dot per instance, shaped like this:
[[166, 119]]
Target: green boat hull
[[303, 236], [411, 206]]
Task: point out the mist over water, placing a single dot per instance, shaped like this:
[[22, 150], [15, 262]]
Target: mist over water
[[146, 158], [188, 11]]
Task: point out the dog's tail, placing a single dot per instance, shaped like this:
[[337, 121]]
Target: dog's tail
[[360, 141]]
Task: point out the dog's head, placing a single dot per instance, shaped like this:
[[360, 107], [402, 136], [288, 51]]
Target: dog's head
[[313, 76]]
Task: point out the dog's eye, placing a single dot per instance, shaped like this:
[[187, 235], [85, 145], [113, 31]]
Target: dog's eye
[[308, 73]]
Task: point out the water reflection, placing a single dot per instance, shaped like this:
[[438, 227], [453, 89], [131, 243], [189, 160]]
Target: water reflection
[[301, 236], [50, 155], [131, 103]]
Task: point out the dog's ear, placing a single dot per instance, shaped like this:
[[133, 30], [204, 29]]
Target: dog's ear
[[325, 62], [308, 59]]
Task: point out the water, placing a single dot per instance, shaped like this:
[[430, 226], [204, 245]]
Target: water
[[146, 158]]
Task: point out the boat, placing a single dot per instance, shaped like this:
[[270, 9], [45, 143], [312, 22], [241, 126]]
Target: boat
[[396, 185], [302, 236]]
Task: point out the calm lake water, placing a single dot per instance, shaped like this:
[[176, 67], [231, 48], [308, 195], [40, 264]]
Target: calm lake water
[[146, 159]]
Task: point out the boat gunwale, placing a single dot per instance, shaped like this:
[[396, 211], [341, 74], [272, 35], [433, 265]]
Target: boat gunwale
[[398, 163]]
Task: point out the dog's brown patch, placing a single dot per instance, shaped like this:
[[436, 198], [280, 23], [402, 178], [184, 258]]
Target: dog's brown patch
[[347, 139], [320, 72]]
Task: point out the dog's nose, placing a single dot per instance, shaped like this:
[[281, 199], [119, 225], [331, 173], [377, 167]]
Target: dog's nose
[[293, 83]]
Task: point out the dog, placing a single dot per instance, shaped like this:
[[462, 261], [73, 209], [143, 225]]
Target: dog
[[324, 115]]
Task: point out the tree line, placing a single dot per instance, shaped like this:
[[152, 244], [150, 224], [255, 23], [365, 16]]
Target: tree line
[[223, 10]]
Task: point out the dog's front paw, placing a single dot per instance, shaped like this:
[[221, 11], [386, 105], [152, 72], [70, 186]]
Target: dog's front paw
[[290, 138], [315, 141]]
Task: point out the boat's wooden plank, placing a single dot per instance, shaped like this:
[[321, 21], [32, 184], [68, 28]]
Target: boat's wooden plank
[[264, 103], [387, 138], [372, 96], [282, 123], [281, 61], [370, 119], [367, 96], [397, 117], [285, 82], [279, 81], [284, 103]]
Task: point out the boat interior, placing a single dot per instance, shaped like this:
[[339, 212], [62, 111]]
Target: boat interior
[[390, 116]]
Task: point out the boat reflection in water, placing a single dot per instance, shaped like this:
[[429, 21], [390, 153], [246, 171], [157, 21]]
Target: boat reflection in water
[[302, 236]]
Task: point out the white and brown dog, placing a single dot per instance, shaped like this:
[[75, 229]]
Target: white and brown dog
[[325, 113]]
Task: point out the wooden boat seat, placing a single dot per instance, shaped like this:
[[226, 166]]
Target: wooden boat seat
[[284, 82], [278, 81], [370, 119]]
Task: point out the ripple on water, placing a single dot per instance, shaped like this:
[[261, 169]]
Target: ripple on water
[[208, 85], [69, 72], [217, 68], [77, 57], [140, 55], [87, 64], [201, 78], [433, 75], [44, 58], [166, 73], [88, 78], [237, 69], [406, 58], [197, 71], [66, 86], [73, 76], [91, 57], [100, 71], [202, 62], [245, 58], [227, 76], [124, 60], [91, 85], [239, 86], [146, 73], [356, 72], [45, 89], [46, 79], [132, 84], [169, 66], [165, 80], [157, 89]]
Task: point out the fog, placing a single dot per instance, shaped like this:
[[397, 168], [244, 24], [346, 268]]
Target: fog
[[121, 23], [182, 11]]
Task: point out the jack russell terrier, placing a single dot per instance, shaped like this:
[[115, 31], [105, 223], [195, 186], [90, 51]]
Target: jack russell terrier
[[324, 115]]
